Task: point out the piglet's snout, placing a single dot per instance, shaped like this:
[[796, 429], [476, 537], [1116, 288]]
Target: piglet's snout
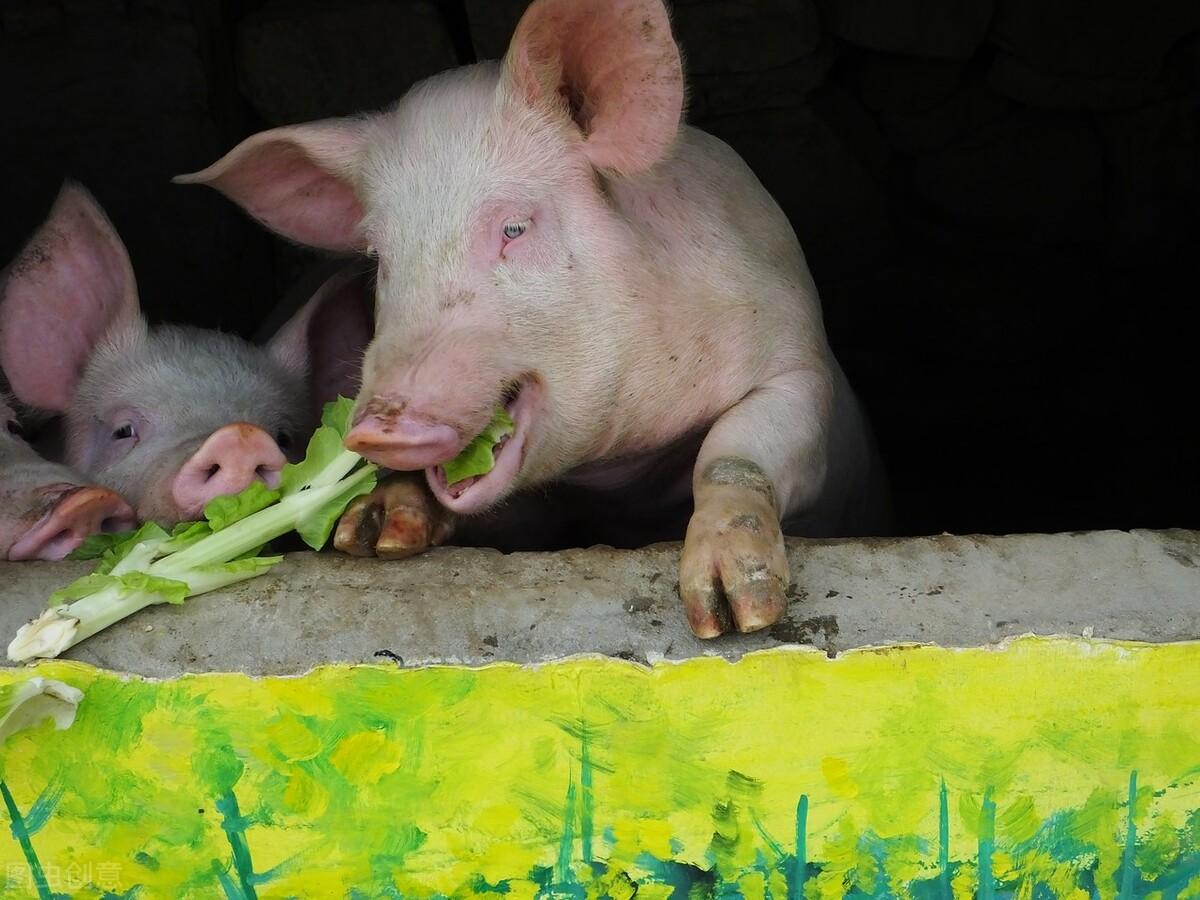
[[403, 443], [232, 459], [80, 512]]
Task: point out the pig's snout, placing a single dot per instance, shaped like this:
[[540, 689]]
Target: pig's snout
[[232, 459], [403, 443], [78, 514]]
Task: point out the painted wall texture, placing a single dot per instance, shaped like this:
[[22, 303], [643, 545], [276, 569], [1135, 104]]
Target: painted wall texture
[[1046, 768]]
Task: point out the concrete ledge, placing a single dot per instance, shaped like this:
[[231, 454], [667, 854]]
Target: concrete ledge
[[475, 607]]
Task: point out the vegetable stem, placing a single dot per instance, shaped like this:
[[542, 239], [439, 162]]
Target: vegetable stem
[[149, 566]]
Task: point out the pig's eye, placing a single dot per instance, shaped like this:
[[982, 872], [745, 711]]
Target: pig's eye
[[513, 230], [123, 433], [14, 428]]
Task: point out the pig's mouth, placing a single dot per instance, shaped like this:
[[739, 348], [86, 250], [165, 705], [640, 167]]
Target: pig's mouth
[[520, 399], [74, 513]]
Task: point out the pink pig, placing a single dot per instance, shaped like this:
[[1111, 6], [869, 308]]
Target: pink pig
[[551, 236], [46, 510], [169, 416]]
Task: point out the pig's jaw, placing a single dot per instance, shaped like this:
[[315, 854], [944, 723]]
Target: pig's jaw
[[476, 494]]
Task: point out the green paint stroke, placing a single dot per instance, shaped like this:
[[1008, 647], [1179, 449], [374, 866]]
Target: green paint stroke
[[987, 846], [233, 823], [562, 866], [772, 844], [228, 886], [944, 842], [21, 833], [586, 798], [1127, 867], [43, 808], [799, 874]]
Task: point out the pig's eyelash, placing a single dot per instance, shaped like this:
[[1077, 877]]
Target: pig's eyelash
[[514, 228]]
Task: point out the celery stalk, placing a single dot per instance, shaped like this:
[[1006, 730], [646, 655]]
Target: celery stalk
[[150, 566]]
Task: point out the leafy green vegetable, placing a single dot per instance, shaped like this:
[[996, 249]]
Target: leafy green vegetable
[[317, 525], [209, 578], [323, 448], [477, 457], [337, 415], [171, 590], [185, 534], [80, 587], [221, 512], [96, 545], [242, 565], [117, 553], [150, 566]]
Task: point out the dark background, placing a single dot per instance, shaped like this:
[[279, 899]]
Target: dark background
[[999, 200]]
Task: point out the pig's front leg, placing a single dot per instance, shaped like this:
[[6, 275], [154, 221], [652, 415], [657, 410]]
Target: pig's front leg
[[764, 457], [397, 519]]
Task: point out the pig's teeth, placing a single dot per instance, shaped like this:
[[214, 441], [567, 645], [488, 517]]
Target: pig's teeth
[[456, 490]]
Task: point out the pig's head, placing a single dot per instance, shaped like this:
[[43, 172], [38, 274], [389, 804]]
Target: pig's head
[[169, 416], [46, 510], [505, 273]]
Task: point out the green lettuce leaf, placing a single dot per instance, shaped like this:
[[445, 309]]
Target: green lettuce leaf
[[222, 512], [169, 589], [202, 579], [323, 447], [243, 564], [477, 457], [315, 527], [185, 534], [337, 414], [186, 531], [96, 545], [81, 587], [120, 549]]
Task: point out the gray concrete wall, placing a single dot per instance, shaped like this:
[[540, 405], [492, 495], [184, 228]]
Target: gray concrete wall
[[475, 607]]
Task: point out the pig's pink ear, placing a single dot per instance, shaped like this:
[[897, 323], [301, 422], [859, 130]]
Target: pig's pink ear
[[297, 181], [612, 66], [328, 335], [70, 288]]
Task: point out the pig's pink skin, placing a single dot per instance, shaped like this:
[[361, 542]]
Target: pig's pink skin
[[400, 440], [46, 510], [140, 402], [630, 266]]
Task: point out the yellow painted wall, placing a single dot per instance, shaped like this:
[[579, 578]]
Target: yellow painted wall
[[596, 777]]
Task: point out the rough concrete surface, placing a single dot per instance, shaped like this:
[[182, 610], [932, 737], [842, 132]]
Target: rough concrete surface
[[475, 607]]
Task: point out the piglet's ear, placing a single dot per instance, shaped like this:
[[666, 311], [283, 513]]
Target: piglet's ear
[[297, 181], [327, 337], [70, 288], [612, 65]]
